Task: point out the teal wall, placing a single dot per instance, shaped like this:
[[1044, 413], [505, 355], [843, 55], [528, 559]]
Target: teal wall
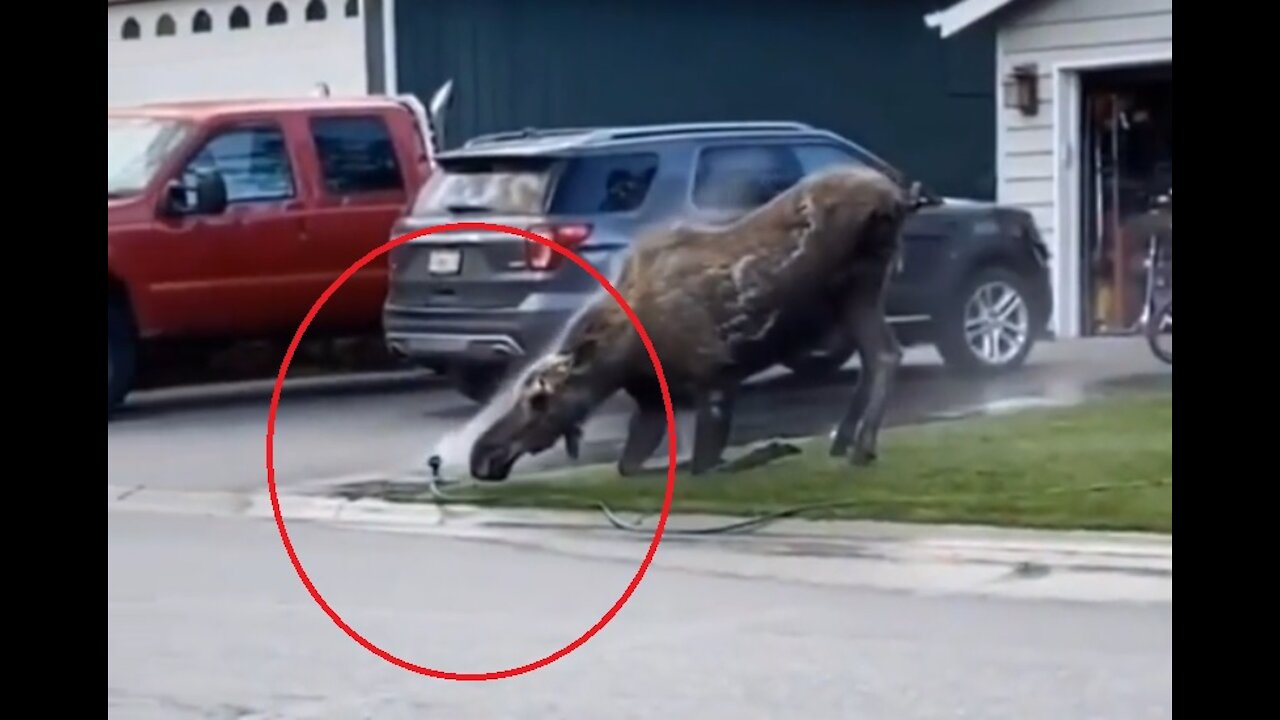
[[868, 69]]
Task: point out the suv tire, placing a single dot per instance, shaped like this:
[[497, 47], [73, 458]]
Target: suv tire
[[121, 354], [478, 383], [985, 296]]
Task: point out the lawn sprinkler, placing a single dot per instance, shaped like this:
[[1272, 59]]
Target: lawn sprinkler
[[437, 478], [436, 481]]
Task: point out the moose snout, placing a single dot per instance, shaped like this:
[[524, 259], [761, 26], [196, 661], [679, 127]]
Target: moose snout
[[491, 462]]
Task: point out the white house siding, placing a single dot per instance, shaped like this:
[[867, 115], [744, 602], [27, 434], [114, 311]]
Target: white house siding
[[1053, 33], [262, 60]]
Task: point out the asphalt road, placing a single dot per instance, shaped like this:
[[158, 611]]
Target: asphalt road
[[211, 438], [206, 619]]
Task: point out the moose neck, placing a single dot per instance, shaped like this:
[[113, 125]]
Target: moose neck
[[590, 391], [600, 352]]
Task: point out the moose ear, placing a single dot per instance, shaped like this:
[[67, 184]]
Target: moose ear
[[573, 442]]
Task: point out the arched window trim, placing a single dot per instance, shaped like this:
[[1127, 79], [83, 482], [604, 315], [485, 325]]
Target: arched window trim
[[201, 21], [130, 29], [316, 11], [277, 14], [238, 13], [166, 26]]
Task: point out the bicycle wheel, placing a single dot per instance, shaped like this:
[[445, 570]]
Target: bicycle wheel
[[1159, 332]]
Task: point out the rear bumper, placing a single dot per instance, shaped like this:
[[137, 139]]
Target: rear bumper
[[453, 337]]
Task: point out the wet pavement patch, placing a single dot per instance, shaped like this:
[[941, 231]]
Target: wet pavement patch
[[814, 549], [1029, 570], [389, 490], [1145, 382], [998, 407], [1050, 392]]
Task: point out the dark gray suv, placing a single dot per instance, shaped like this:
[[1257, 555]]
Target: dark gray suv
[[973, 279]]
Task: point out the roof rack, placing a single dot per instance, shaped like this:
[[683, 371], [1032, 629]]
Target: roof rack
[[641, 131], [605, 134], [523, 134]]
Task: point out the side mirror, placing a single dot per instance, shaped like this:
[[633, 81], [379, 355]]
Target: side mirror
[[174, 202], [210, 191]]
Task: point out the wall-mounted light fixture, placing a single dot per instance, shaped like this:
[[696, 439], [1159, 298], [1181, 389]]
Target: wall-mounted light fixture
[[1022, 89]]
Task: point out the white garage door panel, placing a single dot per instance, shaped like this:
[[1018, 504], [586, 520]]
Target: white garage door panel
[[259, 61]]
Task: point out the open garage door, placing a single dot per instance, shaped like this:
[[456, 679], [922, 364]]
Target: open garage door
[[167, 50]]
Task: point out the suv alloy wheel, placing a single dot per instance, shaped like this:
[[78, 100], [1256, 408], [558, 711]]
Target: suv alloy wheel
[[988, 327]]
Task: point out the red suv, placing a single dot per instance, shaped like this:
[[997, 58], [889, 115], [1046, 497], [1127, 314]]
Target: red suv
[[226, 220]]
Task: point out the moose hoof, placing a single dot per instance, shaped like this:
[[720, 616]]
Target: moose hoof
[[862, 457], [627, 469]]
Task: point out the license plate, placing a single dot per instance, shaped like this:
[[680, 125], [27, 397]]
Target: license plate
[[444, 262]]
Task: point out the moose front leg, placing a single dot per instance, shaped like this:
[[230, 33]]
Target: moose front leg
[[714, 423], [644, 434], [645, 430]]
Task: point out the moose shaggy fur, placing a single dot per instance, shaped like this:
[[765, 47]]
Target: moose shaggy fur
[[721, 304]]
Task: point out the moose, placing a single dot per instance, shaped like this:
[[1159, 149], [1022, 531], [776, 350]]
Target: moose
[[720, 304]]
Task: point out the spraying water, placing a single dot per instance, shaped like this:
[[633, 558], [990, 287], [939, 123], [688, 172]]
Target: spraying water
[[453, 448]]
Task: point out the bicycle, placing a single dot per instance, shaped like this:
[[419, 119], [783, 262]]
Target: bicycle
[[1157, 314], [1163, 319]]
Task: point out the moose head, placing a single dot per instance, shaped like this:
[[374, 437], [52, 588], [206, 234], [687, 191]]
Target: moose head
[[551, 402]]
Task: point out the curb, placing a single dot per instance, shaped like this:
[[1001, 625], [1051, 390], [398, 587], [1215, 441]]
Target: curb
[[1133, 552], [1080, 551], [258, 505]]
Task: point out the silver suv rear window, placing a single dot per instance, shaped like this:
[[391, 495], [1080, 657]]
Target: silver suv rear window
[[582, 185], [492, 185]]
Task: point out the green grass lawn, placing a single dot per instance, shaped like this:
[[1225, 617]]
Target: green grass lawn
[[1107, 464]]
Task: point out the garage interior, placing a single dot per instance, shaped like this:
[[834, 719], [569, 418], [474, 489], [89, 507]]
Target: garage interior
[[1127, 149]]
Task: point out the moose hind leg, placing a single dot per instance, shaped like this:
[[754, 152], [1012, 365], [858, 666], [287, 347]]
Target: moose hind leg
[[866, 339], [714, 422], [882, 357], [842, 439], [880, 354]]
